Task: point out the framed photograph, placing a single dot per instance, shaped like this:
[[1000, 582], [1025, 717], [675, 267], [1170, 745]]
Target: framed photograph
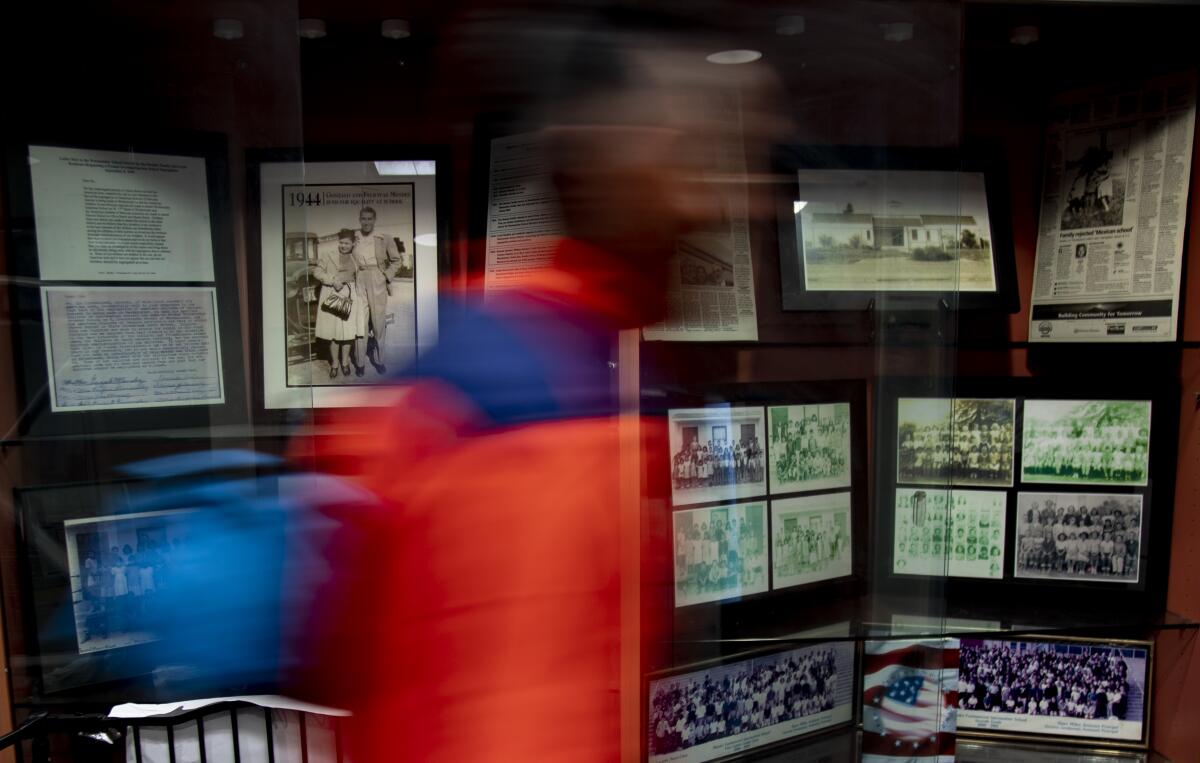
[[717, 453], [720, 552], [1066, 689], [810, 447], [118, 566], [752, 702], [1086, 442], [904, 229], [1094, 537], [125, 298], [955, 441], [811, 539], [350, 256], [949, 533]]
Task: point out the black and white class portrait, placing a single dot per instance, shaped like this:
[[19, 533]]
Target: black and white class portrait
[[704, 706], [959, 441], [1092, 442], [810, 446], [120, 572], [810, 539], [717, 453], [719, 552], [1055, 680], [1079, 537]]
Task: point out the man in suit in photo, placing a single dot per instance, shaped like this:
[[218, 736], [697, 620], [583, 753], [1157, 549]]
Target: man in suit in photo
[[377, 257]]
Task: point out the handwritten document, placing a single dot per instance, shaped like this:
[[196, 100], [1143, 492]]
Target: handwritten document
[[119, 216], [131, 347]]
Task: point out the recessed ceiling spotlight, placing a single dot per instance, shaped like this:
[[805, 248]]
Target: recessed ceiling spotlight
[[395, 29], [897, 31], [310, 29], [228, 29], [789, 26], [1024, 35], [733, 57]]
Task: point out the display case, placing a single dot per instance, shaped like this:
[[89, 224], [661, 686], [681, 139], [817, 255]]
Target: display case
[[912, 418]]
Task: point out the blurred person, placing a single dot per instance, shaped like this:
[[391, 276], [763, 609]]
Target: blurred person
[[475, 616]]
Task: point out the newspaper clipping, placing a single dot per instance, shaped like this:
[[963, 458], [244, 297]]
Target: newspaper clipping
[[711, 297], [1114, 203]]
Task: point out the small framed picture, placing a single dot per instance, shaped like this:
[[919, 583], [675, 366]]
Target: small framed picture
[[899, 229], [810, 447], [949, 533], [720, 552], [1064, 689], [811, 689], [811, 539], [717, 453], [350, 250], [1086, 442], [1092, 537], [955, 441]]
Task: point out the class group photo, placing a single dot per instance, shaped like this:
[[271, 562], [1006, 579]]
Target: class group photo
[[1080, 537], [810, 539], [719, 553], [1092, 442], [960, 441], [706, 706], [717, 454], [810, 446], [1049, 679]]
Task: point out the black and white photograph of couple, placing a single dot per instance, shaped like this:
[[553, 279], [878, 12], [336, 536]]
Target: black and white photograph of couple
[[350, 282]]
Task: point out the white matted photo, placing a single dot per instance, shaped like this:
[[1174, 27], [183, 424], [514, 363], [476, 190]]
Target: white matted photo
[[711, 713], [1075, 536], [894, 230], [809, 446], [810, 539], [119, 569], [1086, 442], [349, 263], [950, 533], [955, 441], [720, 552], [1061, 688], [717, 454]]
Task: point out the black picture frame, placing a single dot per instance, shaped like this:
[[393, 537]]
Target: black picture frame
[[754, 749], [774, 612], [1038, 601], [987, 159], [255, 158], [37, 418]]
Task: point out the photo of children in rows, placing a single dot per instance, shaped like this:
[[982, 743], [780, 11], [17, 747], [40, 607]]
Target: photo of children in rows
[[705, 706], [810, 539], [1093, 442], [1079, 537], [1056, 680], [120, 569], [965, 541], [810, 447], [720, 553], [717, 454], [961, 441]]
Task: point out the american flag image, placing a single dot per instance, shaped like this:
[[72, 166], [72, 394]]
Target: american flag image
[[909, 696]]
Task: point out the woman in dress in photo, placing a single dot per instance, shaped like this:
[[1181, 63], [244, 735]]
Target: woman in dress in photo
[[336, 271]]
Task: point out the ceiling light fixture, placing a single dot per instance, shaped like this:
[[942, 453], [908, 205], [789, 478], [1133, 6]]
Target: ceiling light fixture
[[733, 57], [310, 29], [228, 29], [395, 29]]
